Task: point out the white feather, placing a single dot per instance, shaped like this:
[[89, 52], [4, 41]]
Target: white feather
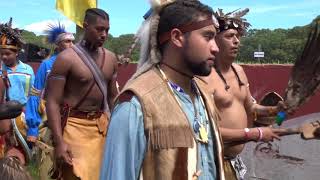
[[144, 37], [155, 3]]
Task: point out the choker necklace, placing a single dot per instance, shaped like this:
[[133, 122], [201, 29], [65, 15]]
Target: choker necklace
[[180, 72], [224, 80]]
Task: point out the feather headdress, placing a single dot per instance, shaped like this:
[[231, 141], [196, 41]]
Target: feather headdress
[[57, 33], [10, 38], [233, 20]]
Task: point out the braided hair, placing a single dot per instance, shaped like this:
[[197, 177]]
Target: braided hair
[[92, 14]]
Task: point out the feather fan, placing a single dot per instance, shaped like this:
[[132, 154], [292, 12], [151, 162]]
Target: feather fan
[[305, 76]]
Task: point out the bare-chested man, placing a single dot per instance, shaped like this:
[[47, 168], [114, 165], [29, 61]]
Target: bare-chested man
[[82, 80], [230, 87]]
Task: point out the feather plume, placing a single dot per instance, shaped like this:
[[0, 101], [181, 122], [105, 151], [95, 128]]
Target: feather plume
[[53, 32], [144, 36], [10, 22], [149, 53], [155, 3], [147, 36], [220, 13], [158, 4], [242, 13], [229, 13]]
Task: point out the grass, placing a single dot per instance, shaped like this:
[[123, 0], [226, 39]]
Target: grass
[[33, 169]]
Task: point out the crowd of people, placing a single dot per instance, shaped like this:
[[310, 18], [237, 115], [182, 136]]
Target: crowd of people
[[186, 113]]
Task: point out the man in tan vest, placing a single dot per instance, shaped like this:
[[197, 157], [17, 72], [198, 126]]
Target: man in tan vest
[[164, 125], [229, 85]]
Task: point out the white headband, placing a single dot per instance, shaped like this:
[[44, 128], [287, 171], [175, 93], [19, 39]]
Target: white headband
[[64, 36]]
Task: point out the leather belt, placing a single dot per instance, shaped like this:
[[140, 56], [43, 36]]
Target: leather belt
[[85, 115]]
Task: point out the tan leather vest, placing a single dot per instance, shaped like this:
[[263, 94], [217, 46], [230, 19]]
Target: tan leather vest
[[168, 132]]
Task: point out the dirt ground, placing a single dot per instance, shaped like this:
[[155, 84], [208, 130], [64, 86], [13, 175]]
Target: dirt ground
[[292, 158]]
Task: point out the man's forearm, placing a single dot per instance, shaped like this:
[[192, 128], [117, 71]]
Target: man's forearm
[[264, 110], [54, 120], [111, 102], [231, 135], [112, 94]]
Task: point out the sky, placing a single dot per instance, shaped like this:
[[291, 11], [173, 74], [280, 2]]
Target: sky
[[126, 15]]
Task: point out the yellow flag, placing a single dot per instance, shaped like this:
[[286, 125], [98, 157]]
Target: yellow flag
[[75, 9]]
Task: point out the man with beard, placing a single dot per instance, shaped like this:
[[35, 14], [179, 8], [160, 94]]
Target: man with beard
[[164, 125], [229, 85], [82, 84]]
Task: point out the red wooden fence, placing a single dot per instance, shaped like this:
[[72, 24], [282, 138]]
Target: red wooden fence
[[262, 79]]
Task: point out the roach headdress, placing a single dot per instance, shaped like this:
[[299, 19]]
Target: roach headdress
[[10, 38]]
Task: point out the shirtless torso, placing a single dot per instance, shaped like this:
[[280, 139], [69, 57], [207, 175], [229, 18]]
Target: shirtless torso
[[83, 127], [232, 102], [80, 83]]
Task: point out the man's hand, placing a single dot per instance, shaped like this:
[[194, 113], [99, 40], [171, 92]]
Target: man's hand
[[196, 175], [281, 106], [63, 153], [31, 141]]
